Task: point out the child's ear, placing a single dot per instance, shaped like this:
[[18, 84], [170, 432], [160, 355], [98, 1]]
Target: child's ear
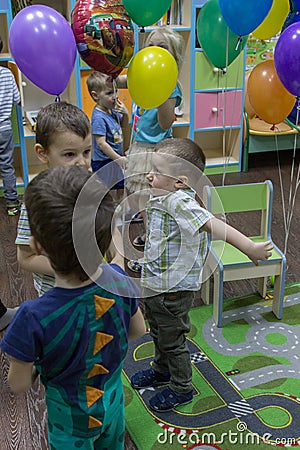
[[94, 96], [181, 182], [41, 153]]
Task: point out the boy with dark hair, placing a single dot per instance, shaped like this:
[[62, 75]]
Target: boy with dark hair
[[175, 251], [77, 333]]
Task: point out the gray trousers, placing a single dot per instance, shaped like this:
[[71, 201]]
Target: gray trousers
[[168, 317], [6, 166]]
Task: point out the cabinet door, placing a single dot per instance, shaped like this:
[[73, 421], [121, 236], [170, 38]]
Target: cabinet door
[[209, 77], [218, 109], [206, 109], [229, 108]]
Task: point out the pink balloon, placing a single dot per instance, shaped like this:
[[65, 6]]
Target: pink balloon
[[43, 46]]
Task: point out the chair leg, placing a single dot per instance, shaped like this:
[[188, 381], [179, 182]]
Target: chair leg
[[262, 286], [278, 293], [205, 289], [218, 296]]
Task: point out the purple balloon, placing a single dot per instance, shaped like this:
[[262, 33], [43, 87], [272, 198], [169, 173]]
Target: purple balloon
[[43, 46], [287, 58]]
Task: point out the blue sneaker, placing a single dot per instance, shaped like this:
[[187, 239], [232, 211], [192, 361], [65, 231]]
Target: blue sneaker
[[148, 378], [167, 399]]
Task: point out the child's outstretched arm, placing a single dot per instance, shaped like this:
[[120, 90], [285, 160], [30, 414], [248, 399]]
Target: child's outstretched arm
[[254, 250], [137, 327]]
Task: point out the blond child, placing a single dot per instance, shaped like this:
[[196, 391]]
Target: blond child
[[151, 126], [109, 123]]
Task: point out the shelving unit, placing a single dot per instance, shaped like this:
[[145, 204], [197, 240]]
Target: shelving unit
[[218, 100], [212, 101]]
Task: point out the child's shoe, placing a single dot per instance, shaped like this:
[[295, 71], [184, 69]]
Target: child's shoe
[[149, 377], [13, 208], [167, 399]]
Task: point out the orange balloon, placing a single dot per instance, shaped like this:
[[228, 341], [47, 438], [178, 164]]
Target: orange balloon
[[247, 105], [268, 97]]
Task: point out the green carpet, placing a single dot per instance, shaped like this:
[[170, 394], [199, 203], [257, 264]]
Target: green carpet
[[245, 376]]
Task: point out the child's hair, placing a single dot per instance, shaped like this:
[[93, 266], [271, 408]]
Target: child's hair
[[60, 117], [183, 148], [1, 44], [173, 42], [96, 81], [50, 200]]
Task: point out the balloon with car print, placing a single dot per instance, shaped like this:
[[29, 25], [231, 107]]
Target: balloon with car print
[[104, 34]]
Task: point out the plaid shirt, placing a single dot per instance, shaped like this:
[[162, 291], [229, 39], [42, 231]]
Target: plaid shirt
[[175, 247]]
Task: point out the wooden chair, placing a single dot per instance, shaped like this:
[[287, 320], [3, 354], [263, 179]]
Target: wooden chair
[[227, 263]]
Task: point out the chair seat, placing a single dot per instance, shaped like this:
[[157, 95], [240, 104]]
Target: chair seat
[[231, 256]]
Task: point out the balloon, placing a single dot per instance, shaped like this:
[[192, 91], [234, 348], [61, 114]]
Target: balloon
[[294, 14], [104, 34], [152, 77], [43, 46], [274, 20], [146, 12], [287, 58], [268, 97], [243, 16], [213, 35], [247, 105]]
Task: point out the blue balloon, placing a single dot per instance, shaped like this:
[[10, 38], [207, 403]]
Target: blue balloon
[[294, 14], [243, 16]]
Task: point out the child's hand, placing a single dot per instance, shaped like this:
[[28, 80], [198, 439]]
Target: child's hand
[[260, 251], [122, 162], [121, 108]]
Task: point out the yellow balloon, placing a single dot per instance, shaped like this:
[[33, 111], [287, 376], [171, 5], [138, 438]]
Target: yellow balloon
[[274, 20], [151, 77]]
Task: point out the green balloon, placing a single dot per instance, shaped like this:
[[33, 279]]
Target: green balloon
[[146, 12], [214, 34]]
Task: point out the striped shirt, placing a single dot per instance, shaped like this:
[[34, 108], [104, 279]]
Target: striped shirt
[[9, 96], [175, 247], [42, 282]]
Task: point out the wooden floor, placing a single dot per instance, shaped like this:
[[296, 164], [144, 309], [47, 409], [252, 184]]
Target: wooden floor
[[23, 417]]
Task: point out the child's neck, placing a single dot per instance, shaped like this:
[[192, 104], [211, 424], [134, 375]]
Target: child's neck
[[72, 282], [103, 109]]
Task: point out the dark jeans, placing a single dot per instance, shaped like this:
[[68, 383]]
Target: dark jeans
[[168, 316], [6, 166]]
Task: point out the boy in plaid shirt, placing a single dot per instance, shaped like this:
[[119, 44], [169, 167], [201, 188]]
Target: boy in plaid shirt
[[175, 251]]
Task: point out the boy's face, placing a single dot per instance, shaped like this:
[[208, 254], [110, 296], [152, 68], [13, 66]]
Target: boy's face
[[107, 97], [160, 179], [67, 149]]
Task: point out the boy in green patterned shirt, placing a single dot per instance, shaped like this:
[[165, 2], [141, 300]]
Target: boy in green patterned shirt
[[175, 250]]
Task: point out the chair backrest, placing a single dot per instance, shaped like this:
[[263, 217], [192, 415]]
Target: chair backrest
[[242, 198]]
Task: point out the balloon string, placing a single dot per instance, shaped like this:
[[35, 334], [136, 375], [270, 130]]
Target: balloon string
[[292, 196], [281, 186], [238, 43], [57, 99]]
